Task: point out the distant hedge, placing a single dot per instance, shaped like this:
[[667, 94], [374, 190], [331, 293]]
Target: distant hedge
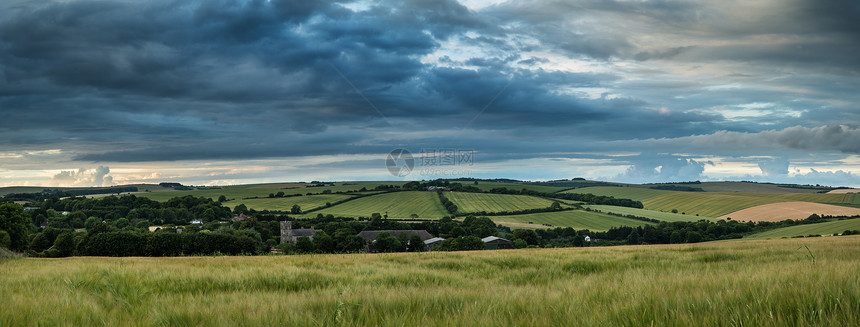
[[134, 244]]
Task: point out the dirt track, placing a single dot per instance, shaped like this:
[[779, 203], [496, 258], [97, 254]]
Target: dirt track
[[789, 210]]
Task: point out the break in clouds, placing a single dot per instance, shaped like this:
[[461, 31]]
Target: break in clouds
[[632, 91]]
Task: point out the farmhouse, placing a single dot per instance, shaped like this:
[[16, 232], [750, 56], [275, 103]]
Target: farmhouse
[[290, 235], [495, 243], [239, 217]]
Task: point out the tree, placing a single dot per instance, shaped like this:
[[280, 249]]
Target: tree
[[555, 206], [633, 238], [240, 209], [519, 243], [387, 243], [296, 209], [304, 245], [208, 215], [15, 222], [64, 245], [121, 223], [90, 222], [40, 242], [415, 244], [5, 239], [528, 235], [142, 224], [323, 242], [467, 243], [676, 237], [222, 198], [694, 237]]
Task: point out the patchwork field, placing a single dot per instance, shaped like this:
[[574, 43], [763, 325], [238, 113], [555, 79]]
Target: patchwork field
[[747, 187], [844, 191], [239, 193], [740, 283], [709, 204], [486, 186], [485, 202], [306, 202], [789, 210], [396, 205], [635, 193], [659, 215], [577, 219], [828, 228]]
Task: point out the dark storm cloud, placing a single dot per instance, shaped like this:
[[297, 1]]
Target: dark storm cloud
[[132, 81]]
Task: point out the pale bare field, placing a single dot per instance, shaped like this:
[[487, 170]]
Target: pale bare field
[[845, 190], [789, 210]]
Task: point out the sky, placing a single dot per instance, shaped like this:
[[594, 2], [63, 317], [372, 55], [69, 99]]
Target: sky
[[97, 93]]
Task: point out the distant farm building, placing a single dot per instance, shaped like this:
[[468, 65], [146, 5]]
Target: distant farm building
[[239, 217], [431, 243], [290, 235], [197, 221], [588, 238], [496, 243], [437, 188]]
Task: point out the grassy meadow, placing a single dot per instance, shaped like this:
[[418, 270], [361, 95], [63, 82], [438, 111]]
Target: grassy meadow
[[739, 283], [577, 219]]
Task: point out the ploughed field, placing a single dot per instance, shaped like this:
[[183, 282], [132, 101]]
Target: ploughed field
[[790, 210], [789, 282]]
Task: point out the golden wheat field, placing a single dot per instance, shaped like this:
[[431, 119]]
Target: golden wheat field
[[789, 282]]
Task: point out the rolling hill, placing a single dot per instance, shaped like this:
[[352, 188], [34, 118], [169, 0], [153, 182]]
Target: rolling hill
[[577, 219], [395, 205], [485, 202]]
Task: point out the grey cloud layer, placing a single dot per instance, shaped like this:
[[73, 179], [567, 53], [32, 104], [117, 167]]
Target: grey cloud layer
[[119, 81]]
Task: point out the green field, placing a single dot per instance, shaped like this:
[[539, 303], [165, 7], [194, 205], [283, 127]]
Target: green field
[[485, 202], [577, 219], [740, 283], [486, 186], [635, 193], [659, 215], [717, 204], [258, 190], [306, 202], [828, 228], [397, 205], [746, 187]]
